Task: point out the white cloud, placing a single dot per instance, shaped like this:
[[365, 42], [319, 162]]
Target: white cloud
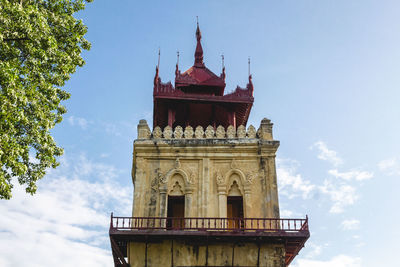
[[66, 222], [112, 129], [286, 213], [341, 195], [352, 175], [338, 261], [390, 166], [291, 183], [327, 154], [315, 250], [341, 191], [351, 224], [81, 122]]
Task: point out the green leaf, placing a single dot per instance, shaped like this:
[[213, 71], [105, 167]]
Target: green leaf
[[40, 47]]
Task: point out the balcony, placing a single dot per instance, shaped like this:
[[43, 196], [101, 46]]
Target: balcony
[[293, 233]]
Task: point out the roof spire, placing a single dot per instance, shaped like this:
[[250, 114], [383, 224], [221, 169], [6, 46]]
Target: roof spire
[[156, 78], [223, 67], [177, 64], [250, 84], [249, 66], [159, 53], [198, 55]]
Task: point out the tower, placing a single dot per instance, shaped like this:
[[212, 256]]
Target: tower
[[205, 186]]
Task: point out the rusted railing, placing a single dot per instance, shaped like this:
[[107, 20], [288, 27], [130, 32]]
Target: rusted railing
[[206, 224]]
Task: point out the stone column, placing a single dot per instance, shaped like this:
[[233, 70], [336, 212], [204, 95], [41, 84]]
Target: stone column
[[189, 209], [265, 130], [205, 187], [247, 204], [268, 179], [143, 130], [247, 201], [273, 187], [163, 204], [138, 195], [222, 205]]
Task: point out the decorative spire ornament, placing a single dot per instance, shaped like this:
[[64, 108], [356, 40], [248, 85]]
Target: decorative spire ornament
[[159, 54], [223, 67], [249, 65], [198, 55], [177, 63], [156, 78], [250, 84]]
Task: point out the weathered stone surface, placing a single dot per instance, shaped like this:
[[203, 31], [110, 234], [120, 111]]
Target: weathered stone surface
[[181, 253], [265, 130], [189, 132], [231, 132], [137, 252], [206, 169], [157, 132], [157, 255], [209, 132], [178, 133], [220, 133], [263, 133], [272, 255], [143, 130], [251, 132], [247, 162], [245, 254], [188, 254], [199, 132], [241, 132], [167, 132]]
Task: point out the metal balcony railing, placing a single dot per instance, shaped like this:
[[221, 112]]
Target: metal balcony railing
[[208, 224]]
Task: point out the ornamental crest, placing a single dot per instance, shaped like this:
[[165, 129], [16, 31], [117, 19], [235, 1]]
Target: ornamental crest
[[199, 132], [219, 178]]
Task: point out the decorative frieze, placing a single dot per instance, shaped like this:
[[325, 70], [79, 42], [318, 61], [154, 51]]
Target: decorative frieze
[[264, 132], [199, 133], [230, 132], [220, 133], [168, 132], [241, 132], [251, 132], [188, 132], [210, 132], [157, 132], [178, 133]]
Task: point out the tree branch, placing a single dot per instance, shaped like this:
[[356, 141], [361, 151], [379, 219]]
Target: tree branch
[[15, 39]]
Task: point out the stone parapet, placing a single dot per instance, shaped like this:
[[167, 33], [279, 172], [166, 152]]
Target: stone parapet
[[264, 132]]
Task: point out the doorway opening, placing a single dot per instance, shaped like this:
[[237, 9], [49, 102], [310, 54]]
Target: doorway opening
[[235, 212], [175, 212]]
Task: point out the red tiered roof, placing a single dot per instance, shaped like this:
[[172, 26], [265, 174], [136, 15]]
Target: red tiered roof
[[198, 97]]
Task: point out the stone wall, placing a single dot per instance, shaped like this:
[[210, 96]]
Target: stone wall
[[204, 166], [264, 132], [183, 253]]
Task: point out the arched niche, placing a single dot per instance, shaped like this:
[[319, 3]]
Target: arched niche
[[232, 186], [175, 175], [176, 185], [234, 176], [234, 190]]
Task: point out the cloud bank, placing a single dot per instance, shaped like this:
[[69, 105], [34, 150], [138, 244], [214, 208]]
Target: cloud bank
[[66, 222]]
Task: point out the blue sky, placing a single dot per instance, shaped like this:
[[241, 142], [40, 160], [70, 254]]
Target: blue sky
[[325, 72]]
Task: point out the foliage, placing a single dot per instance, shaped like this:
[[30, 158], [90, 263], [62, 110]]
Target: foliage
[[40, 47]]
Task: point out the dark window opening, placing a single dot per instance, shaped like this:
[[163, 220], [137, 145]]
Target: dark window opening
[[235, 212], [176, 212]]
